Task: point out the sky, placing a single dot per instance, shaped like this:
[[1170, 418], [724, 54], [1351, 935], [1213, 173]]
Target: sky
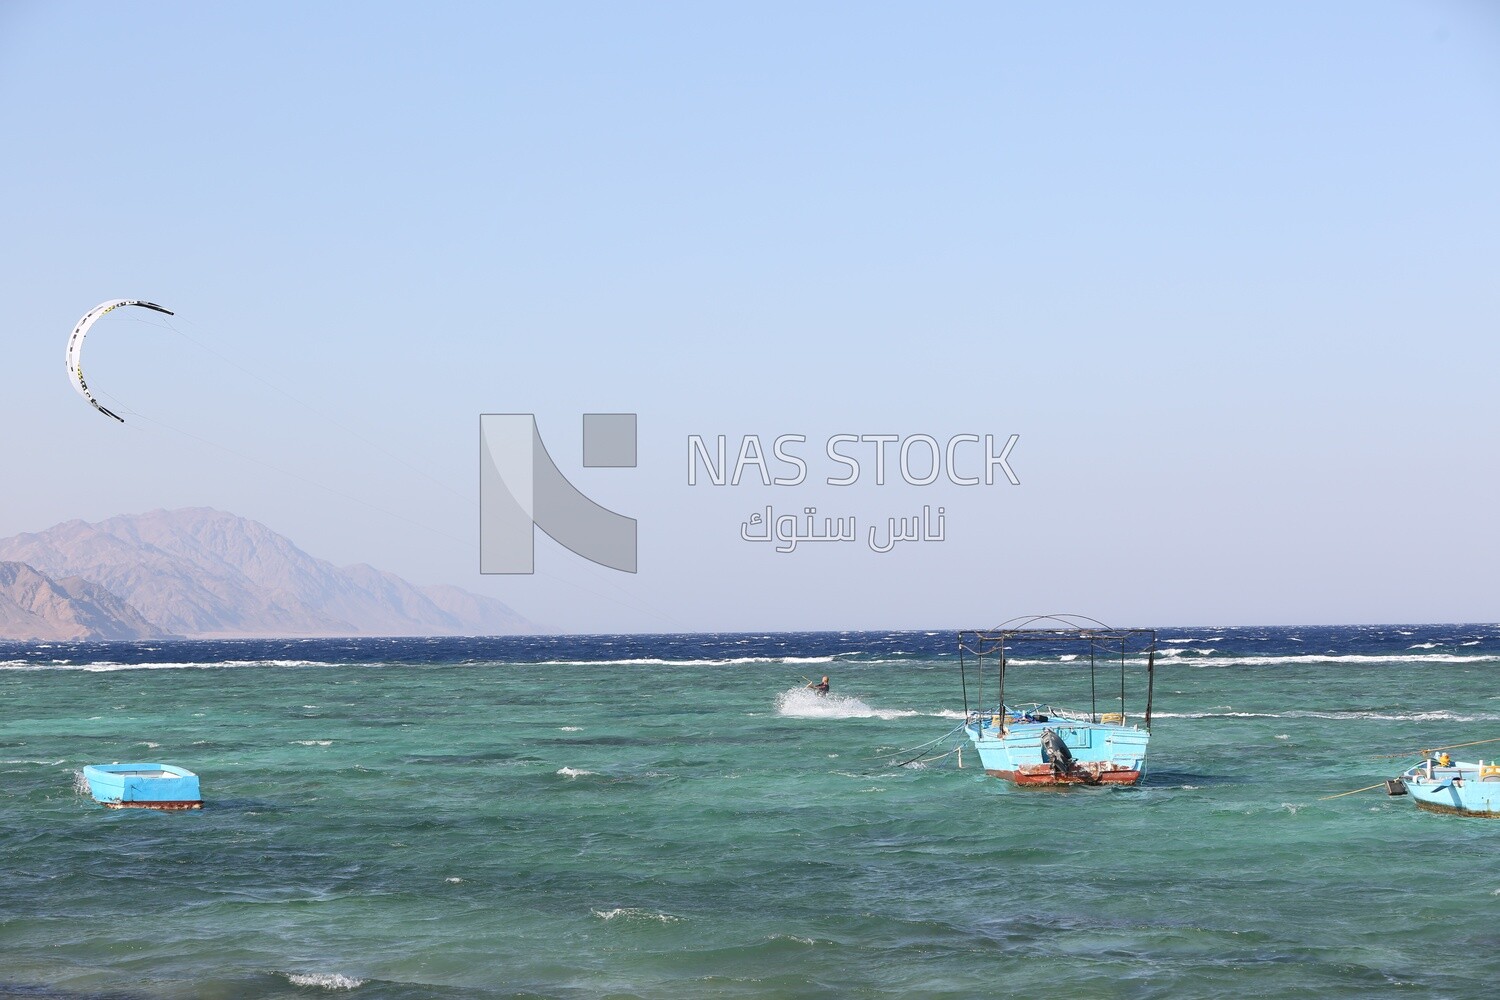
[[1227, 271]]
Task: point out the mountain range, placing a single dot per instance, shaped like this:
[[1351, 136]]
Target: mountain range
[[199, 573]]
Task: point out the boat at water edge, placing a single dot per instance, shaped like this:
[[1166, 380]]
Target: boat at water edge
[[143, 786], [1043, 746], [1443, 785]]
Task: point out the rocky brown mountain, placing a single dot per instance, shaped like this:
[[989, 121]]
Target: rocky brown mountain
[[204, 572]]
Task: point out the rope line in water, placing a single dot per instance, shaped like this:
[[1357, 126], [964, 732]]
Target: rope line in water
[[1340, 795], [1423, 753], [934, 760], [919, 746], [926, 749]]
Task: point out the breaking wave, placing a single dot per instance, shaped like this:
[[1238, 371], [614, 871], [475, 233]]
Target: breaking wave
[[1335, 659], [324, 980], [111, 666], [1187, 657], [1441, 715], [652, 661], [635, 913]]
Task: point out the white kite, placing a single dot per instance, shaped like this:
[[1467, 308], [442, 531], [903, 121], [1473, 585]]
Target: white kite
[[75, 347]]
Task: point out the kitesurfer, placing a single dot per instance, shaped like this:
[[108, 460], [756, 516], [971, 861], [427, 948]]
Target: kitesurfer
[[821, 687]]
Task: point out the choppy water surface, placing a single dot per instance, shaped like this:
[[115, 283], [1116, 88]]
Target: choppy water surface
[[671, 816]]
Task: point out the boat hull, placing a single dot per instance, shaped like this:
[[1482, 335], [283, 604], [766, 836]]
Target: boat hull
[[1458, 790], [1097, 753], [143, 786], [1046, 776]]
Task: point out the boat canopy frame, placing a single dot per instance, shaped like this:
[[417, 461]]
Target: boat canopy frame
[[992, 645]]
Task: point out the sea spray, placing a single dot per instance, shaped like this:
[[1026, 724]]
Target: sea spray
[[803, 703], [324, 980]]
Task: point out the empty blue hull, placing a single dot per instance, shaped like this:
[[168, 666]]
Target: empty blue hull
[[143, 786]]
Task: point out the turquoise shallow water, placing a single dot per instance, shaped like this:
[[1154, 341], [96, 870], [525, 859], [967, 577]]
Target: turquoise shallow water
[[670, 818]]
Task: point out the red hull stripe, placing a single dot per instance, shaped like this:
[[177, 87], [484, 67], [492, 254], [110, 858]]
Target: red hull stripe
[[1053, 780]]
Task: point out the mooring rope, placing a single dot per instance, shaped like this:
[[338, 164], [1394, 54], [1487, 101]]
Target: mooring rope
[[918, 757], [1423, 753], [934, 760], [1340, 795], [919, 746]]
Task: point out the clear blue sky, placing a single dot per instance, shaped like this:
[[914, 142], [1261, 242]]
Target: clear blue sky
[[1230, 271]]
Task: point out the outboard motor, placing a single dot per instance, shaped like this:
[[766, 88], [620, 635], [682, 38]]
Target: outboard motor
[[1056, 751]]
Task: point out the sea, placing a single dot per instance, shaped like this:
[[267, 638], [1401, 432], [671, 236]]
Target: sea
[[677, 816]]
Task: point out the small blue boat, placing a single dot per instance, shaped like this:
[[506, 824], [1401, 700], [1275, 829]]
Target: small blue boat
[[1043, 746], [1052, 747], [143, 786], [1440, 784]]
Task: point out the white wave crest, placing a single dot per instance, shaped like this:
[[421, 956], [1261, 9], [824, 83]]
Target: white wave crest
[[1334, 659], [110, 666], [809, 941], [325, 980], [1216, 715], [1183, 657], [635, 913], [652, 661], [1360, 715], [574, 772]]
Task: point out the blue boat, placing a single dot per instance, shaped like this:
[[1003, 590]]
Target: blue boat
[[1039, 745], [1441, 784], [143, 786]]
